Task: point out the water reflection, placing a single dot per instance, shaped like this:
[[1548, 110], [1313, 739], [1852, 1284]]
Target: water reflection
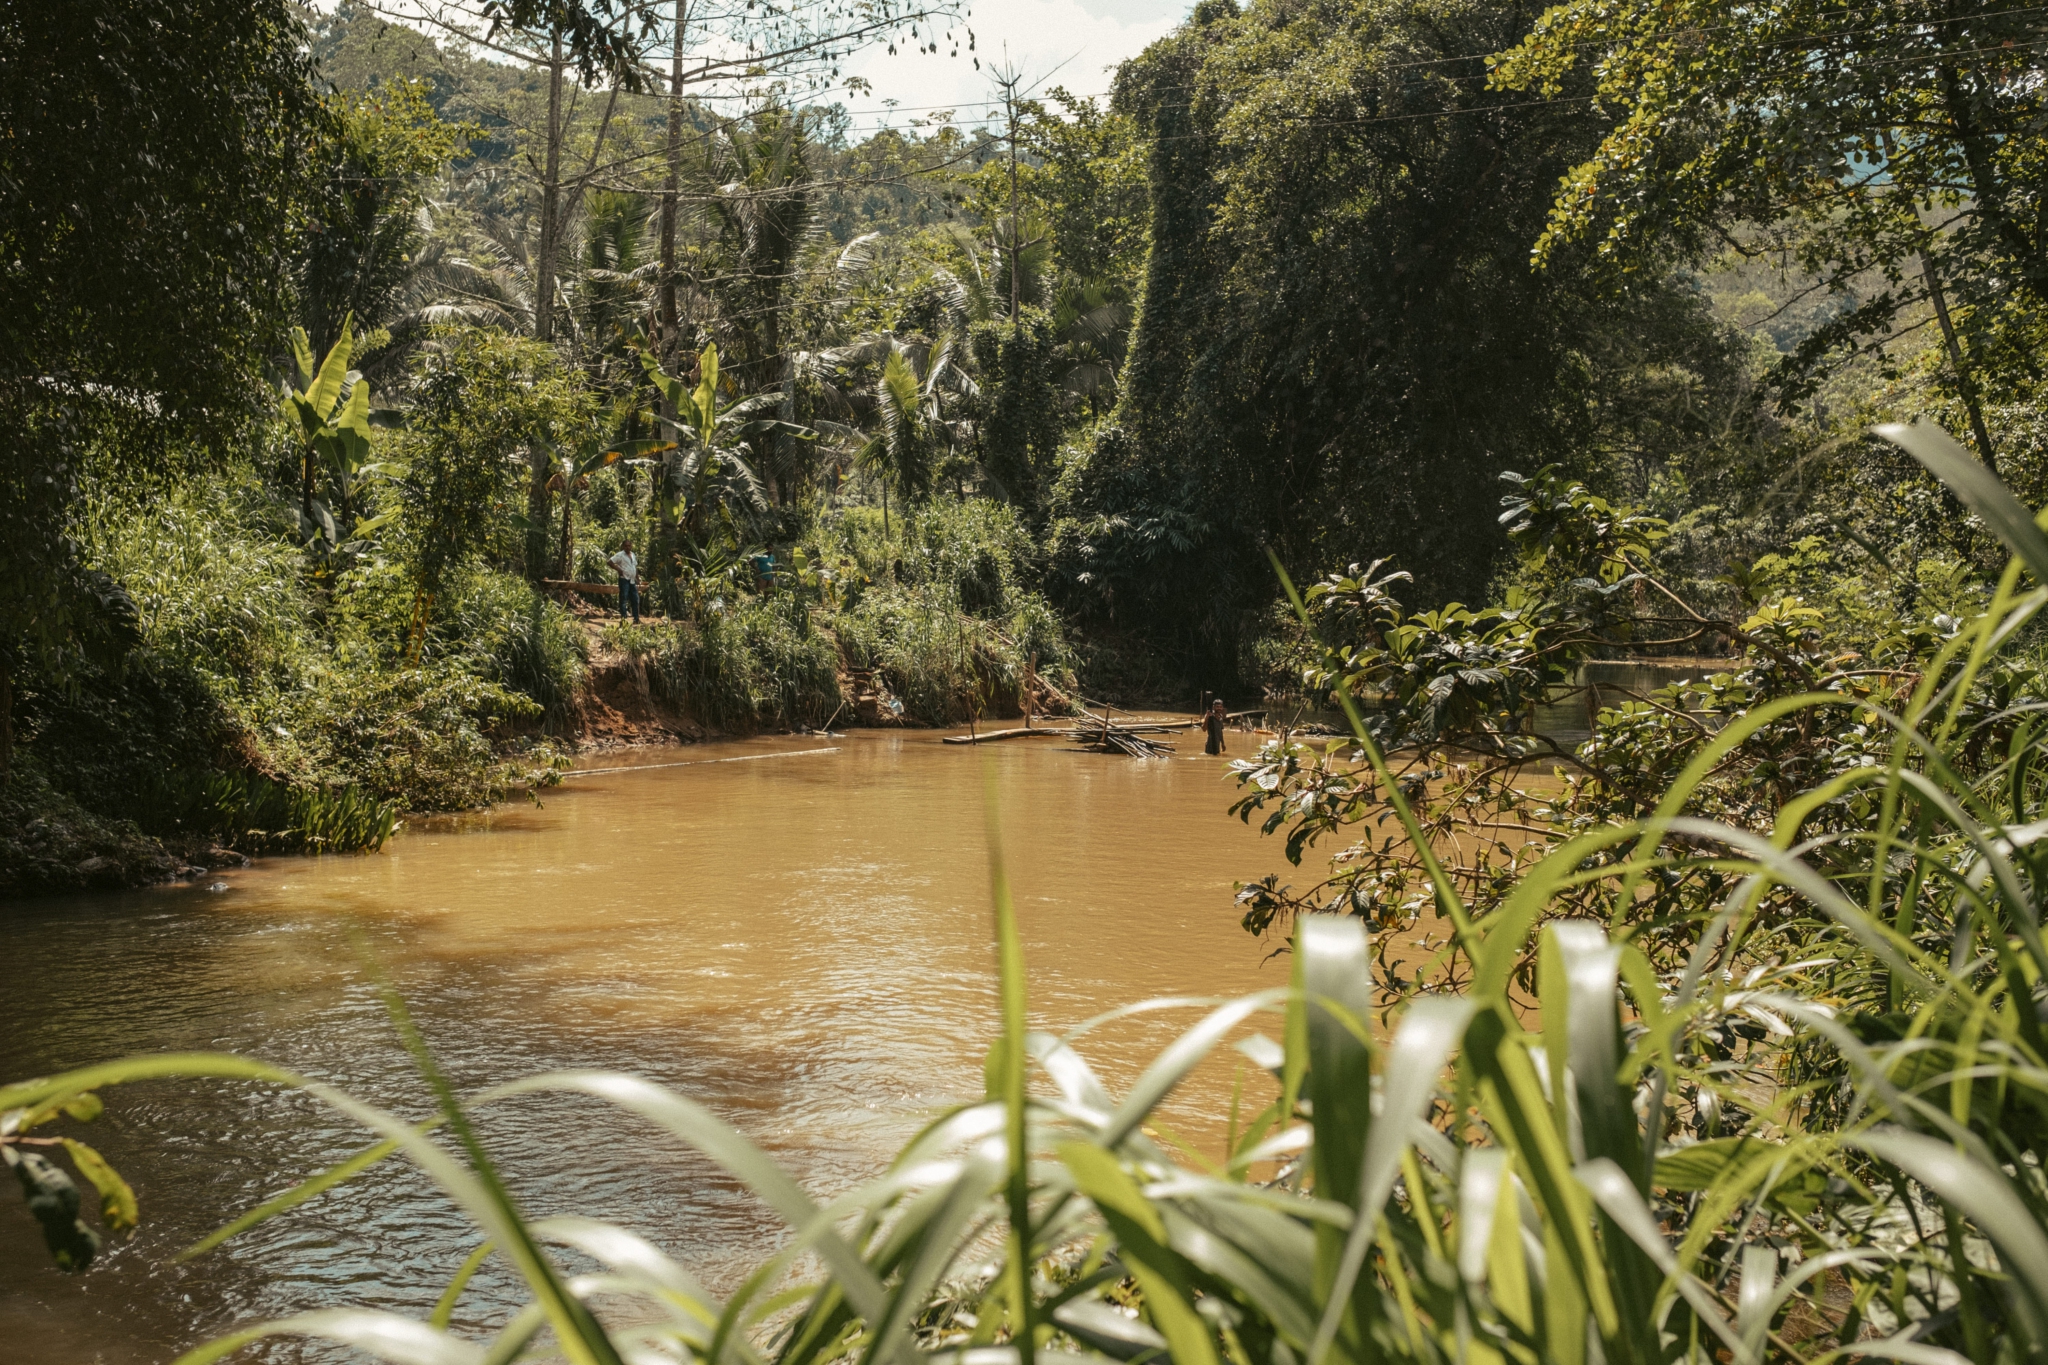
[[798, 940]]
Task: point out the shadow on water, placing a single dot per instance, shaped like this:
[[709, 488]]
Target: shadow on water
[[1570, 722], [801, 942]]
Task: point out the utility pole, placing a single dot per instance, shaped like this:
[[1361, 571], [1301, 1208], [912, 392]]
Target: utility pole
[[1009, 84]]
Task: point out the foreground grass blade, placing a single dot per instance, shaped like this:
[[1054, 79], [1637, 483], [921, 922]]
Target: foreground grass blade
[[1007, 1084], [1422, 1045], [386, 1336], [1982, 1193], [1977, 486], [580, 1335], [731, 1149]]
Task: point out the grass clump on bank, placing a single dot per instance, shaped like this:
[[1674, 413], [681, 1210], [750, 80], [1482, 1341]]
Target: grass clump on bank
[[938, 612]]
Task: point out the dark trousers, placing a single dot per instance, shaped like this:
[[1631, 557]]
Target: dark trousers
[[629, 600]]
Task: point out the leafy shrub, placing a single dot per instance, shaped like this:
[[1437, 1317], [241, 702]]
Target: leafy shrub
[[949, 614], [944, 664], [507, 633], [418, 737], [214, 592]]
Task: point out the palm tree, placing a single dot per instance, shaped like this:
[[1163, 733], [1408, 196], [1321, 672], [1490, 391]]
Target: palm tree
[[758, 177]]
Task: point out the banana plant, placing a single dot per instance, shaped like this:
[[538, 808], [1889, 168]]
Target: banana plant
[[331, 408], [713, 468], [575, 465]]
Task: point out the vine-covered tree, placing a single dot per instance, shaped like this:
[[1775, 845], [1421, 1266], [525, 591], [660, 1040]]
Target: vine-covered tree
[[1340, 341]]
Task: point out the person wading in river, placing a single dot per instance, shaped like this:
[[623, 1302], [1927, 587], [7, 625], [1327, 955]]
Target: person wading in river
[[1213, 723], [629, 582]]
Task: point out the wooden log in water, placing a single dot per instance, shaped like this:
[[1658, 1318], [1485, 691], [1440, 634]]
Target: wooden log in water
[[987, 736]]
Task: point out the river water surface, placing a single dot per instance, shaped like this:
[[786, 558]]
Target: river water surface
[[799, 939]]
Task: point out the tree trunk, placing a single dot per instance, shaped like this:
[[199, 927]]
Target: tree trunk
[[1989, 192], [777, 463], [6, 724], [1964, 384], [306, 493], [537, 510], [567, 566]]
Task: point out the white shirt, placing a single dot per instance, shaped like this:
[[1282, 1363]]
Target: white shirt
[[628, 567]]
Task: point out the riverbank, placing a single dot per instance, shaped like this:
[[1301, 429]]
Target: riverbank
[[627, 695]]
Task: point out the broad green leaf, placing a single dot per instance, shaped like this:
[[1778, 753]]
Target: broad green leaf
[[158, 1066], [1094, 1323], [623, 1250], [1337, 978], [1140, 1234], [1169, 1067], [325, 391], [1977, 486], [1098, 1175], [117, 1201], [84, 1107], [302, 355], [354, 416], [1015, 1039], [1981, 1193], [1422, 1045], [1514, 1102], [1618, 1198]]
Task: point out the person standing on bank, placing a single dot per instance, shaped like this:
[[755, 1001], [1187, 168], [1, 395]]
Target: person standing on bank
[[1213, 723], [629, 582]]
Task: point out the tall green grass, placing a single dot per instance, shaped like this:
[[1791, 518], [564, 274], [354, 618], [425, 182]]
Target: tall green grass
[[1820, 1138]]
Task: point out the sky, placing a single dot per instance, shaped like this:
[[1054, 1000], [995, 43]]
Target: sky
[[1072, 43], [1076, 44]]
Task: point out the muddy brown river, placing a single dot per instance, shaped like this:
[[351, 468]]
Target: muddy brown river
[[799, 939]]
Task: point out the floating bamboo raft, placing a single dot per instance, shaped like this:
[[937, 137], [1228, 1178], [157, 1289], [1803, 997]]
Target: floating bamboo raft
[[1105, 735]]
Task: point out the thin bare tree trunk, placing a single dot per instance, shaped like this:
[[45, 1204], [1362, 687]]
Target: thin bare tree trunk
[[1016, 285], [1964, 384]]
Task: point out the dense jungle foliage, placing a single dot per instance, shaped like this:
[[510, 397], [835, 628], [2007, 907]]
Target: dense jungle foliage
[[1693, 1020], [422, 327]]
